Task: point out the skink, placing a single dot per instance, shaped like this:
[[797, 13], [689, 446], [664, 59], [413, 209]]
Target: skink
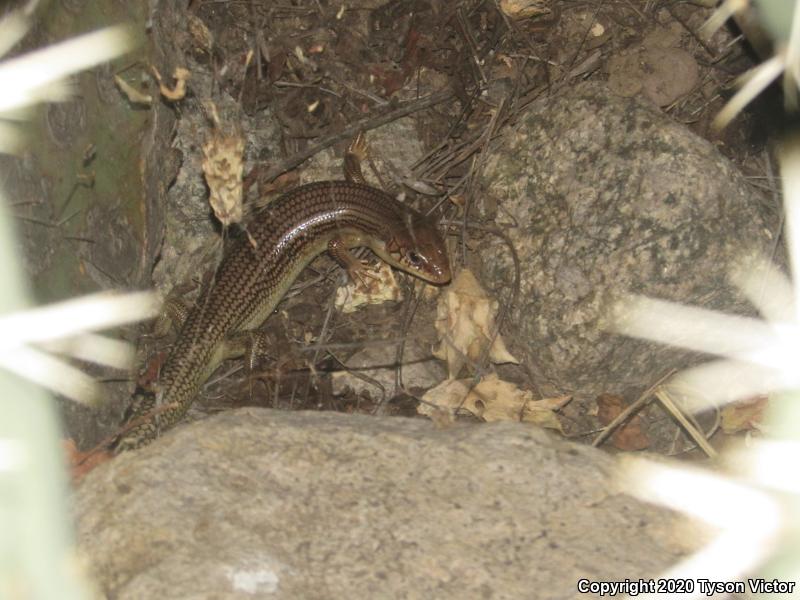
[[255, 274]]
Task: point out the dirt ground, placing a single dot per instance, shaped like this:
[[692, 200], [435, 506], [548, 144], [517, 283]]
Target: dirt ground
[[463, 70], [321, 67]]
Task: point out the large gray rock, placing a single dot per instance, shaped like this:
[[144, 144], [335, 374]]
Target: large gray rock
[[266, 504], [611, 195]]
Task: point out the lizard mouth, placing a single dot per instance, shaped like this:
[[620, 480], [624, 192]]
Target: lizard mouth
[[438, 274]]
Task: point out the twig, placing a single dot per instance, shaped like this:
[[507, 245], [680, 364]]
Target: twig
[[477, 169], [633, 408], [411, 310], [776, 197], [352, 129], [362, 376], [665, 399], [322, 335]]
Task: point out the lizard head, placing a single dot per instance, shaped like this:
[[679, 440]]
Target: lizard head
[[416, 246]]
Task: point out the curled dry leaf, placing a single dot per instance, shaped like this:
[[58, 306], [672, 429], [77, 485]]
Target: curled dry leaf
[[493, 400], [465, 322], [222, 165], [379, 285], [181, 76]]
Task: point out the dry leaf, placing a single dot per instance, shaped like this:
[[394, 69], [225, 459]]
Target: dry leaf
[[543, 412], [457, 199], [629, 435], [465, 322], [524, 9], [222, 165], [493, 400], [378, 286], [181, 76], [448, 395], [743, 416], [442, 418], [200, 34]]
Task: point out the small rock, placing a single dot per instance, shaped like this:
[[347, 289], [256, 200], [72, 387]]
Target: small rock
[[662, 74], [256, 503]]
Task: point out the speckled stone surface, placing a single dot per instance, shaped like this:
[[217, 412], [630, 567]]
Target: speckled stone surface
[[256, 503], [610, 195]]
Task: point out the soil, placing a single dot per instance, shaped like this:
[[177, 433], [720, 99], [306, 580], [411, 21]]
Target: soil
[[320, 71]]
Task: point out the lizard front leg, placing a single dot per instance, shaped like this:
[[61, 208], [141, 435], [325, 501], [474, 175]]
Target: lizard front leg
[[357, 270], [355, 155]]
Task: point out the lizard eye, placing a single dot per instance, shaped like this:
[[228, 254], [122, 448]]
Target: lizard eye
[[414, 258]]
